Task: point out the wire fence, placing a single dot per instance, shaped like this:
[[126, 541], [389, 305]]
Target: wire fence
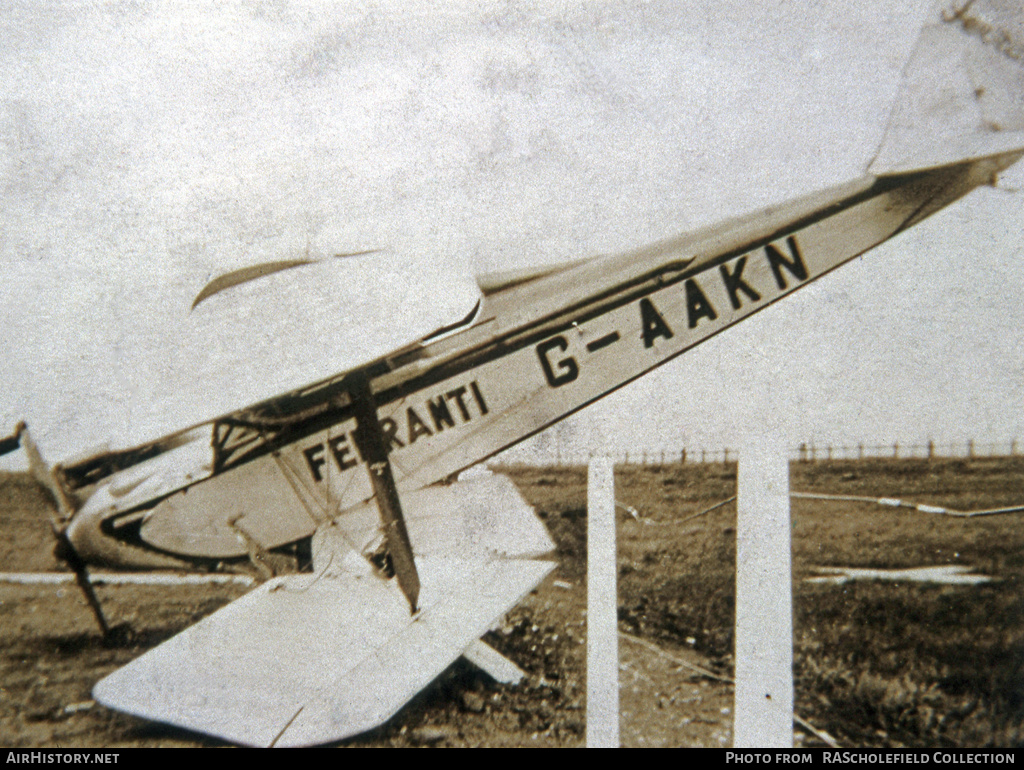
[[807, 452], [968, 449]]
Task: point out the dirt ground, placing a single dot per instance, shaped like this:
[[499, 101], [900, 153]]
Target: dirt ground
[[51, 654], [876, 664]]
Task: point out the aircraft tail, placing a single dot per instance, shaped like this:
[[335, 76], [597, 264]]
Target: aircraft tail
[[962, 95]]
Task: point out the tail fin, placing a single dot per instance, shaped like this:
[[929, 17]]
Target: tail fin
[[962, 95]]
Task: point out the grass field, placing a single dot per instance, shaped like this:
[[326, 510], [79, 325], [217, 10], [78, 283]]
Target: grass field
[[905, 663], [876, 663]]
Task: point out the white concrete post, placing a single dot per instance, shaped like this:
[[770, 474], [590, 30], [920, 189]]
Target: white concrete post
[[764, 603], [602, 608]]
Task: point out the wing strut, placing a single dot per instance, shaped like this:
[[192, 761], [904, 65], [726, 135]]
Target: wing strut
[[370, 440]]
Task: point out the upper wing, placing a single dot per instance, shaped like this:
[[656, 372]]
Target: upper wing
[[254, 272], [309, 659]]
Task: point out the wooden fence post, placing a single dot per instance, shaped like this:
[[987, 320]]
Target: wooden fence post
[[602, 608], [763, 700]]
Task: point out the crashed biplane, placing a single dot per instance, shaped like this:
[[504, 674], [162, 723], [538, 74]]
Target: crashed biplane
[[358, 474]]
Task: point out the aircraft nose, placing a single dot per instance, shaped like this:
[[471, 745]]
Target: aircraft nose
[[82, 535]]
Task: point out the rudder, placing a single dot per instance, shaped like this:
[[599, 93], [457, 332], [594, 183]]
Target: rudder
[[962, 93]]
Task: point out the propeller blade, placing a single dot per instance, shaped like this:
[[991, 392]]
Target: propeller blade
[[60, 514], [10, 443]]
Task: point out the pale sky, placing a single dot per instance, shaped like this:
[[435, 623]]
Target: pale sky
[[146, 148]]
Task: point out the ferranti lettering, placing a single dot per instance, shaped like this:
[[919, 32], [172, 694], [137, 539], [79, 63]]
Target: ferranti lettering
[[446, 410]]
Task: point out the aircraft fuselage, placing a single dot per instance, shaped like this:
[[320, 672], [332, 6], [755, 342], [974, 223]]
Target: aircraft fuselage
[[534, 353]]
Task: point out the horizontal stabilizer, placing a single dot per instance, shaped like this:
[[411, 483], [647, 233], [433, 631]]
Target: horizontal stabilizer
[[309, 659]]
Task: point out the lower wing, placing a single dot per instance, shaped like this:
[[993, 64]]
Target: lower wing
[[309, 659]]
